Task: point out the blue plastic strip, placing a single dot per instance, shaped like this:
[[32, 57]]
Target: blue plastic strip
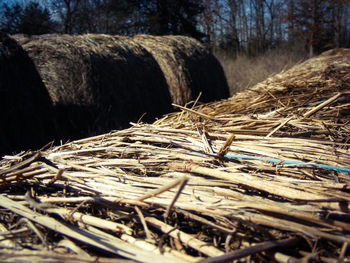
[[275, 160], [316, 102]]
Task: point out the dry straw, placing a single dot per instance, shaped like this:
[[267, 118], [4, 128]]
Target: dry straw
[[274, 185], [25, 104]]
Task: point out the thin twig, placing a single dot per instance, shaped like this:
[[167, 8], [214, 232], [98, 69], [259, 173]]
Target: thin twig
[[185, 238], [223, 150], [279, 126], [160, 190], [322, 105], [144, 224], [196, 112], [244, 252], [184, 181]]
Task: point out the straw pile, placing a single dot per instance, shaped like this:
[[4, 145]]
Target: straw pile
[[25, 105], [259, 178], [188, 68], [98, 82]]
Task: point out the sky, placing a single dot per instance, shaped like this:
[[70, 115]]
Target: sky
[[24, 2]]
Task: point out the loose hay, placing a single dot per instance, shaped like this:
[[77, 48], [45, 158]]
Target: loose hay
[[210, 183], [25, 105], [188, 67], [98, 82]]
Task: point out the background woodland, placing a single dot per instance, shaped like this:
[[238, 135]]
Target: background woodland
[[251, 38]]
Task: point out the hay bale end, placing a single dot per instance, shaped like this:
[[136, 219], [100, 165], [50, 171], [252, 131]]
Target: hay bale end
[[25, 105], [188, 68]]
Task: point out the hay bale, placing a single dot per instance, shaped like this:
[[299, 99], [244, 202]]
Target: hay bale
[[302, 87], [314, 79], [98, 82], [25, 105], [310, 81], [188, 68], [314, 73]]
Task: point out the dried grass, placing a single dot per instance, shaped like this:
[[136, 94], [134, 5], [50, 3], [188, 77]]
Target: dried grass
[[263, 175], [25, 105]]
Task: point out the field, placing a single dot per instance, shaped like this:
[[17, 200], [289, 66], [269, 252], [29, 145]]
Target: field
[[243, 72]]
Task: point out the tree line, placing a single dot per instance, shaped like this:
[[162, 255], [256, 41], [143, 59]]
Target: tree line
[[238, 26]]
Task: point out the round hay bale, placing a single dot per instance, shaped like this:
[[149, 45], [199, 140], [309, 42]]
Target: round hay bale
[[315, 79], [325, 73], [25, 105], [98, 82], [336, 52], [189, 68], [312, 81]]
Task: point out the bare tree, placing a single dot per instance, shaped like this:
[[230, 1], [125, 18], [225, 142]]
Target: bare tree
[[66, 10]]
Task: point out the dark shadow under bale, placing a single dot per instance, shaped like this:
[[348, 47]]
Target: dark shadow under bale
[[25, 105], [98, 82], [188, 68]]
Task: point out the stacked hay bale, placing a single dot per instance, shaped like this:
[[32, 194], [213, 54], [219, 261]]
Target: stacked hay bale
[[98, 82], [25, 105], [188, 68]]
